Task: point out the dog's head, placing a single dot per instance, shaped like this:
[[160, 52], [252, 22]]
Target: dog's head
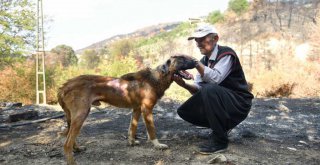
[[177, 63]]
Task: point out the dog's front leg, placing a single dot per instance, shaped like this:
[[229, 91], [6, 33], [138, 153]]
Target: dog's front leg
[[136, 113], [148, 121]]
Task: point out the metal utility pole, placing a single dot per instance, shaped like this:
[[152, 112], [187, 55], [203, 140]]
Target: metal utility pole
[[40, 57]]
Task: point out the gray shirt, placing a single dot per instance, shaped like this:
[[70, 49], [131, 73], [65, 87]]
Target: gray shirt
[[216, 74]]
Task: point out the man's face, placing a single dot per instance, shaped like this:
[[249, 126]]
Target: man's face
[[206, 44]]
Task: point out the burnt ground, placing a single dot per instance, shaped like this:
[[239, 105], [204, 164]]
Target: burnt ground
[[277, 131]]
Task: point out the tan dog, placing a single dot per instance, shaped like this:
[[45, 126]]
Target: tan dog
[[140, 91]]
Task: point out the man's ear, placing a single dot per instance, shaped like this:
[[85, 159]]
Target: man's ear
[[216, 38]]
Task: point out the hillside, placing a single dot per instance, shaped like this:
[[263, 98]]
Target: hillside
[[250, 33], [149, 31]]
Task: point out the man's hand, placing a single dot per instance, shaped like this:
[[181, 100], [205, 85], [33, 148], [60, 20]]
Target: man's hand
[[194, 60], [191, 88]]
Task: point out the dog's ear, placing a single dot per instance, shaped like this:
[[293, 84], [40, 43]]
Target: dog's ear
[[168, 62], [165, 67]]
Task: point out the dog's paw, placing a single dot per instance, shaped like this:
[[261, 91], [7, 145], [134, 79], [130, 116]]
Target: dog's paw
[[134, 142], [161, 146], [158, 145], [79, 149], [63, 131]]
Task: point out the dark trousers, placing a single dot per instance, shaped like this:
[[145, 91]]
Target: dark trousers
[[217, 108]]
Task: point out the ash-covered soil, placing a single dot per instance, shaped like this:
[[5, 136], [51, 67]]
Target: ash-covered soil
[[277, 131]]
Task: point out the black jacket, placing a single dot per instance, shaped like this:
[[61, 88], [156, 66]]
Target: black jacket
[[236, 80]]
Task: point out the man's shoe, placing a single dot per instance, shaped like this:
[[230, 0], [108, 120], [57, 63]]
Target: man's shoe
[[212, 148], [206, 135], [207, 143], [210, 135]]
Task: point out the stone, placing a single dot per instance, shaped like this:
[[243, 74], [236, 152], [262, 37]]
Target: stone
[[218, 159]]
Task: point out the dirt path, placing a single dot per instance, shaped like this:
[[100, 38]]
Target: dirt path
[[277, 131]]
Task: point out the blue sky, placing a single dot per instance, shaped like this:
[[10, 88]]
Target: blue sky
[[79, 23]]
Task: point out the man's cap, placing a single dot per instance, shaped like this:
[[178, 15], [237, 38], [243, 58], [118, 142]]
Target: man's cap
[[203, 30]]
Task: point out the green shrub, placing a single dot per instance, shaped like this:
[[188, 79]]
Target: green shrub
[[120, 66], [65, 55], [62, 74], [215, 17], [90, 58], [238, 6], [175, 92]]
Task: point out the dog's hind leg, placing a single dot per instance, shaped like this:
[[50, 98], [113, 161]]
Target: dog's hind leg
[[148, 121], [76, 147], [77, 121], [68, 119], [136, 113], [66, 112]]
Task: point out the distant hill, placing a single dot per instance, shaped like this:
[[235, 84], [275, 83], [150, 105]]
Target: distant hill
[[144, 32]]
